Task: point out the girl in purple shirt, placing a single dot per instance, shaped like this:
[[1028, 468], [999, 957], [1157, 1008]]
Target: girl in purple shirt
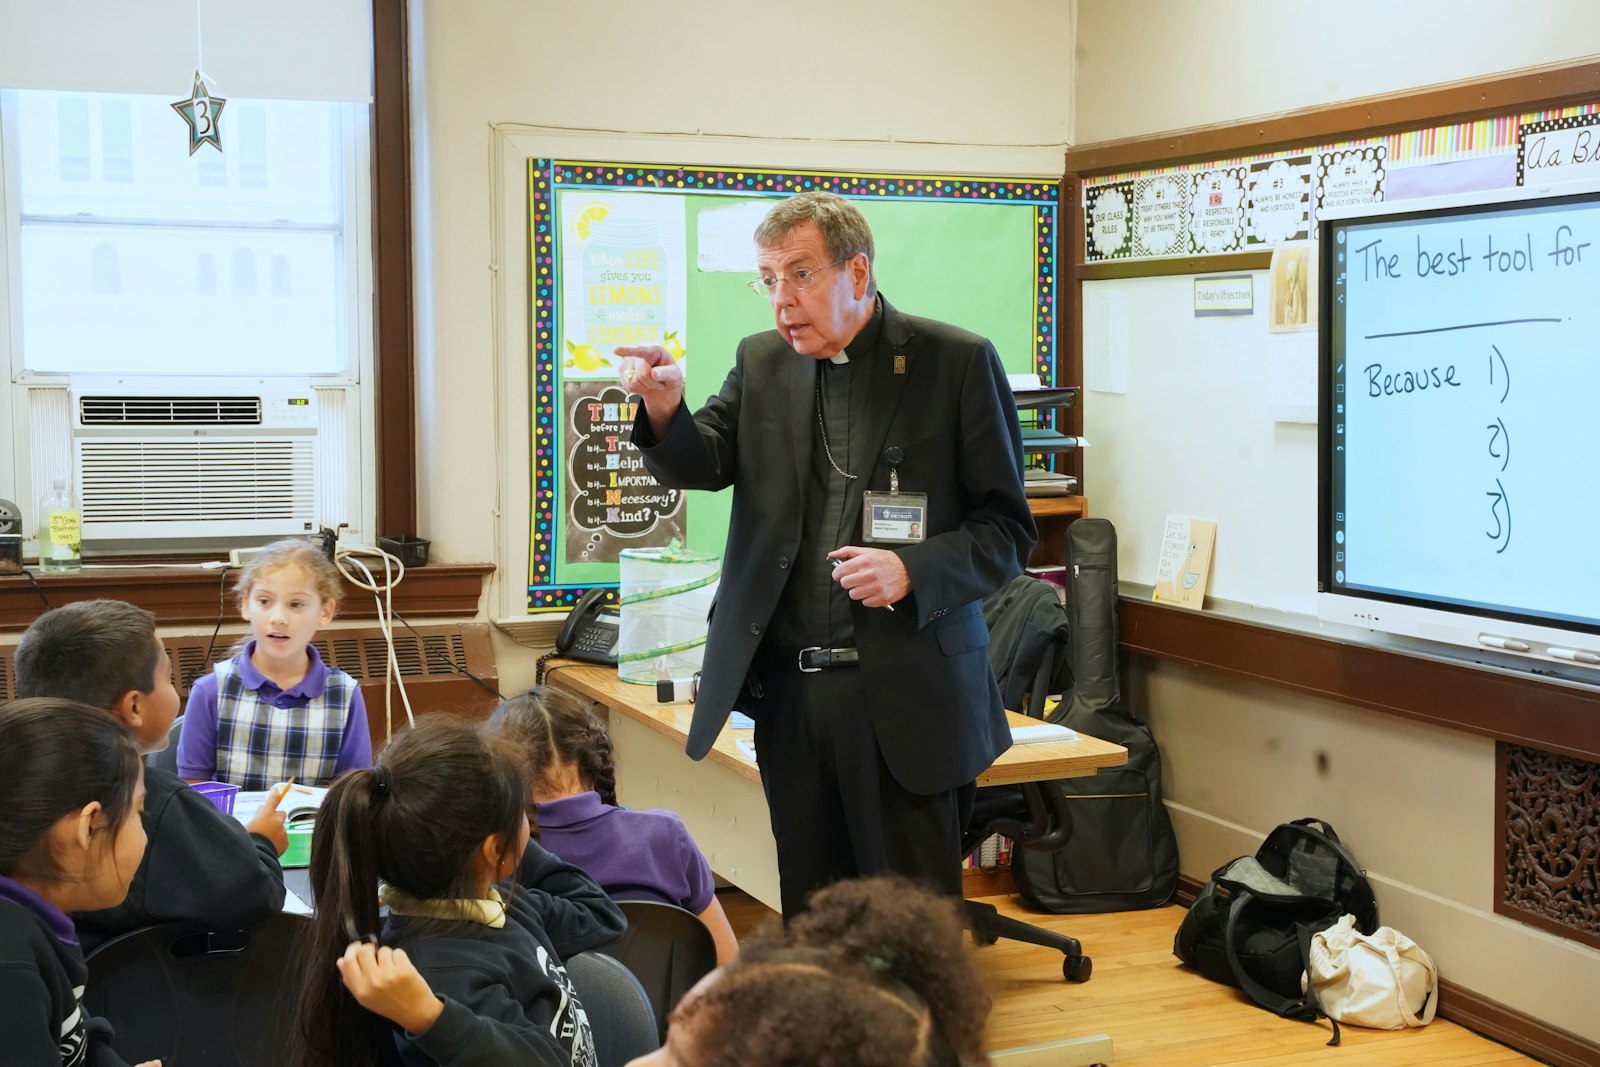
[[634, 855], [275, 711], [72, 786]]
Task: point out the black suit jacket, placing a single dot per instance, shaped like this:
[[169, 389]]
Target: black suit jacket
[[925, 666]]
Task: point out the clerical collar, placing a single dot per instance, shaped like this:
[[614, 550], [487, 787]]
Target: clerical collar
[[864, 342]]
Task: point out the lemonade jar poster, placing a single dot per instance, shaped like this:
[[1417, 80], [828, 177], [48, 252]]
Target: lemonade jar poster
[[623, 263]]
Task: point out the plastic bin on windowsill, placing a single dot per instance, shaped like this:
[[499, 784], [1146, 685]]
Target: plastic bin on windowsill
[[411, 551], [219, 793]]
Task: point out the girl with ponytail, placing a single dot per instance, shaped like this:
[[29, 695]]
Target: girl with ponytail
[[466, 968]]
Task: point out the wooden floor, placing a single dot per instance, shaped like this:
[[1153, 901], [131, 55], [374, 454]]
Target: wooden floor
[[1160, 1014]]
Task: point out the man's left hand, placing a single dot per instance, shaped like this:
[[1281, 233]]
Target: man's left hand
[[874, 576]]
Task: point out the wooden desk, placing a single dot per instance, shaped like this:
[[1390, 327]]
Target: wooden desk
[[720, 798]]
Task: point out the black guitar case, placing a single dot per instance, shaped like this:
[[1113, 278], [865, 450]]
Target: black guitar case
[[1122, 853]]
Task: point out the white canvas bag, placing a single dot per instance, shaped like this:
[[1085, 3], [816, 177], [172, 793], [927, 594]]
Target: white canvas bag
[[1383, 979]]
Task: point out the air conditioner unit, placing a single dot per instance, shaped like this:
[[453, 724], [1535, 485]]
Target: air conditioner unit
[[185, 465]]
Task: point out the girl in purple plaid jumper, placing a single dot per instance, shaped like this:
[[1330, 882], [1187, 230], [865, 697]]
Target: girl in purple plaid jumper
[[275, 711]]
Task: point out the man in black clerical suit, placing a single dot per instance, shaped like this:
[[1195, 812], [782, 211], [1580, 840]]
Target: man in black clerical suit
[[876, 466]]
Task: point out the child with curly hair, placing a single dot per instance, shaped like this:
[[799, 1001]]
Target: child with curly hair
[[874, 974]]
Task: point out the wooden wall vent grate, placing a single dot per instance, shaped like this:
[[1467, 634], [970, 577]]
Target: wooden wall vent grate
[[1549, 863], [359, 653]]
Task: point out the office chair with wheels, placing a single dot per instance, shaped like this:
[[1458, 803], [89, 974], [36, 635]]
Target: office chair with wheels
[[668, 949], [619, 1012], [1027, 639], [167, 758], [192, 997]]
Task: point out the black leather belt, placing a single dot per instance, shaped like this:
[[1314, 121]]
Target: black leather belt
[[817, 658]]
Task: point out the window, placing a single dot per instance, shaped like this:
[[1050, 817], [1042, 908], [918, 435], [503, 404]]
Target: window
[[131, 267], [132, 257]]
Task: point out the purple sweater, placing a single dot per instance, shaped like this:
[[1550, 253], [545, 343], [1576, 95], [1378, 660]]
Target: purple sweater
[[634, 855]]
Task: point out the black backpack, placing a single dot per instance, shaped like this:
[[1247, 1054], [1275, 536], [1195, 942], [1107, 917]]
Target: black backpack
[[1251, 925]]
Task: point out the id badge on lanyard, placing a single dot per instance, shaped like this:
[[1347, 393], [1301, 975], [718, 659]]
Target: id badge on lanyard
[[894, 518]]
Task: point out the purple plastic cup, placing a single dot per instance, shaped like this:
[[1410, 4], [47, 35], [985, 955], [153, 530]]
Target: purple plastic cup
[[219, 793]]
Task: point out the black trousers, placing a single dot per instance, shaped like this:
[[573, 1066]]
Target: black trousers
[[836, 810]]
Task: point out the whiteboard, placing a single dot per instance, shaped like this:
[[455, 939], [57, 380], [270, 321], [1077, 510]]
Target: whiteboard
[[1192, 429], [1194, 434]]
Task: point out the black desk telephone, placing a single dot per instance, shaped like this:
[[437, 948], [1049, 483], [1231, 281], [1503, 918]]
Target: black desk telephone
[[591, 630]]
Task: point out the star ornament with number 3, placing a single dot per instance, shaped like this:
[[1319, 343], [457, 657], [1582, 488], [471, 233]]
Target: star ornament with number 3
[[202, 112]]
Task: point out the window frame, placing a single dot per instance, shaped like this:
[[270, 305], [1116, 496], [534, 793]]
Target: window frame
[[393, 410]]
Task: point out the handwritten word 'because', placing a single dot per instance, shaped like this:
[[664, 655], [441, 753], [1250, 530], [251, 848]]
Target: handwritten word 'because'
[[1381, 383]]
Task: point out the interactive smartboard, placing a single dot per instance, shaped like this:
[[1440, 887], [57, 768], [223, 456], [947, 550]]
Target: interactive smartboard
[[1459, 405]]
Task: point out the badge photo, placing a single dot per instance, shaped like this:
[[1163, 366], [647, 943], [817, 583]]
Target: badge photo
[[894, 518]]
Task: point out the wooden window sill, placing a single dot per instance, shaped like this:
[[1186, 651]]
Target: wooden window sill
[[191, 596]]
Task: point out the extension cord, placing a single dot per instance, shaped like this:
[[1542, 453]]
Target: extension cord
[[348, 561]]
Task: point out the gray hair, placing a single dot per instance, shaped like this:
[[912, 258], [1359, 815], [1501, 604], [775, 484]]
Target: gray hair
[[844, 229]]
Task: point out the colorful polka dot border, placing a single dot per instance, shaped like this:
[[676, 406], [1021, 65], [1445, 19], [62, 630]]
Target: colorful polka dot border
[[544, 175], [788, 183]]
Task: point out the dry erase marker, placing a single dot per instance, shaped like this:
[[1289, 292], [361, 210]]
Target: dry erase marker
[[1511, 644]]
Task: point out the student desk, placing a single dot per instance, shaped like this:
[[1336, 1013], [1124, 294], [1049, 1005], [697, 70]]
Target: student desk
[[720, 798]]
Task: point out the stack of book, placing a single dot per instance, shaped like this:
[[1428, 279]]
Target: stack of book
[[994, 852], [1036, 481]]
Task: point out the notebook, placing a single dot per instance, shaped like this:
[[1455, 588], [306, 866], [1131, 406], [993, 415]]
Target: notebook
[[1041, 734], [299, 806]]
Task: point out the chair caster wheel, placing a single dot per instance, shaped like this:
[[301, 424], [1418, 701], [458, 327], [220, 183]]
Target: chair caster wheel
[[984, 937], [1077, 968]]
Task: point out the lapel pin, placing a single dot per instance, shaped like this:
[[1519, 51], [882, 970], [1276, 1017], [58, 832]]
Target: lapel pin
[[899, 363]]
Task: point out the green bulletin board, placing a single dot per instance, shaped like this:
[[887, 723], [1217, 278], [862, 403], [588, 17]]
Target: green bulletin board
[[976, 252]]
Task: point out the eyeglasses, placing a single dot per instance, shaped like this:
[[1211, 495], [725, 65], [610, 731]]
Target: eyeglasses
[[767, 284]]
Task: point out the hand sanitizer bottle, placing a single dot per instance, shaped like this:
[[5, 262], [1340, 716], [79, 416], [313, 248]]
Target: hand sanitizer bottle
[[60, 545]]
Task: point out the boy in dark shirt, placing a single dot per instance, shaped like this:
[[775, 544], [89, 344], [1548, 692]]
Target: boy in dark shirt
[[201, 865]]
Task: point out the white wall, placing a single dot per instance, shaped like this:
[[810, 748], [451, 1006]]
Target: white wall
[[1416, 803], [1144, 66], [920, 87]]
